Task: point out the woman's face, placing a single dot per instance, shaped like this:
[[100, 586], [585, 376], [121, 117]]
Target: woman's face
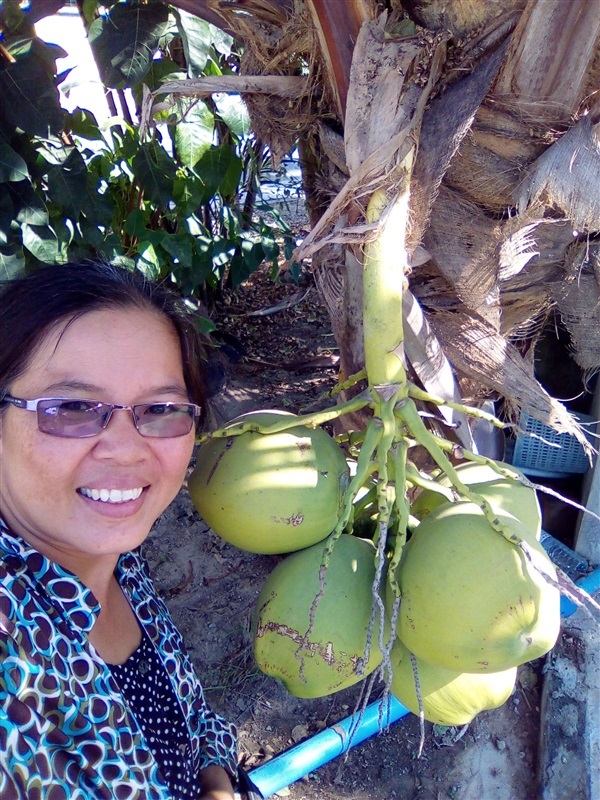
[[122, 356]]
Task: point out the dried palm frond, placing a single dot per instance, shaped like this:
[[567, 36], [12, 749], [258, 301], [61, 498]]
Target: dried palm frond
[[481, 353], [374, 152], [578, 299], [463, 242], [446, 122], [288, 50], [460, 17], [487, 176], [567, 175]]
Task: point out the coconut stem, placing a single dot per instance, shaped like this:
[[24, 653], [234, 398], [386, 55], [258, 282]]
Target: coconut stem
[[373, 435], [348, 383], [418, 394], [383, 286], [407, 413], [385, 501], [416, 479], [290, 420], [402, 509]]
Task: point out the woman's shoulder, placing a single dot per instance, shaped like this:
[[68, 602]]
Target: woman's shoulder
[[34, 589]]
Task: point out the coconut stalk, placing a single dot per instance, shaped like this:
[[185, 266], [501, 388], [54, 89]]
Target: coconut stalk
[[383, 282]]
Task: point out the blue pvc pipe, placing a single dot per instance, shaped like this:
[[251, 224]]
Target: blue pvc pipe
[[323, 747], [590, 584], [293, 764]]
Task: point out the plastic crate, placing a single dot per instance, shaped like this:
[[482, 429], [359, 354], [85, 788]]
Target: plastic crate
[[542, 451]]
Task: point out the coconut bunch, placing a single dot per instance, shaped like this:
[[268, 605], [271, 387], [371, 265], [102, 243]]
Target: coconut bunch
[[474, 605]]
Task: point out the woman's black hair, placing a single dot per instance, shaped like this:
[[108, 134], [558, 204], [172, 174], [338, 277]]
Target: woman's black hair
[[31, 305]]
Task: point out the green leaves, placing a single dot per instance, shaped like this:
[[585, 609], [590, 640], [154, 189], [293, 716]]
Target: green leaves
[[43, 243], [234, 114], [12, 261], [219, 169], [155, 171], [28, 206], [196, 40], [12, 166], [69, 188], [200, 40], [193, 135], [83, 123], [124, 42], [67, 184], [28, 96]]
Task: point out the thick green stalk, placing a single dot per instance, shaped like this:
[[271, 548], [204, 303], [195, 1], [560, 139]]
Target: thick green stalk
[[416, 479], [383, 285], [409, 415], [403, 511]]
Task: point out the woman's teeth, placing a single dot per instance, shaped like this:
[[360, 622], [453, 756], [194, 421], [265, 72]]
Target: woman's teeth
[[112, 495]]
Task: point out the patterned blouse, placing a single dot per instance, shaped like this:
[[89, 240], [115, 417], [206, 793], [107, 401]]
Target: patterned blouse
[[66, 731]]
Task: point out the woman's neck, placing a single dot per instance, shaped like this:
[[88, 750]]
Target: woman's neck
[[116, 633]]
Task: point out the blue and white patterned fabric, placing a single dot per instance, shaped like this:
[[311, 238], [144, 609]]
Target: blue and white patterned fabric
[[66, 732]]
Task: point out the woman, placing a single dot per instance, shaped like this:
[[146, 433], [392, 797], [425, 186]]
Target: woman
[[101, 391]]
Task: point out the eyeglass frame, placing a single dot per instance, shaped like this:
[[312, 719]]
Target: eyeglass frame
[[32, 405]]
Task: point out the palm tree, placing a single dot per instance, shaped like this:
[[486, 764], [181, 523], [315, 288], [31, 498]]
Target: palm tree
[[499, 101]]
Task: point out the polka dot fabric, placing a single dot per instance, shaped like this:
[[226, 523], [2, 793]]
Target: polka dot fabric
[[148, 692], [66, 727]]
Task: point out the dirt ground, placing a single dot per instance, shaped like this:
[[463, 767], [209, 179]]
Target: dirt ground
[[287, 360]]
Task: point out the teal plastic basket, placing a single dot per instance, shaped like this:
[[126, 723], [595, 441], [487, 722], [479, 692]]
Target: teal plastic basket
[[542, 451]]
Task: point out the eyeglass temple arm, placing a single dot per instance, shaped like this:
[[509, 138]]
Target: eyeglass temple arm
[[28, 405]]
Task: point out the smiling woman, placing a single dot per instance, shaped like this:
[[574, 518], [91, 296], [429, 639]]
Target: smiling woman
[[101, 389]]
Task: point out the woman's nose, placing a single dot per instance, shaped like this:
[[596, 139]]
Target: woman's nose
[[120, 438]]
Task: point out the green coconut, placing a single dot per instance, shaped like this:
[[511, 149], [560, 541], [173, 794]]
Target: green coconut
[[448, 697], [273, 493], [332, 657], [504, 495], [471, 600]]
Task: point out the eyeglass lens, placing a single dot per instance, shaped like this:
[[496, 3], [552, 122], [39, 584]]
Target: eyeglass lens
[[81, 418], [163, 420]]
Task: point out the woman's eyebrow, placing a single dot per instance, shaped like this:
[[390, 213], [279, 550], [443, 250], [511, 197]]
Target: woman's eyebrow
[[90, 389], [78, 386], [171, 388]]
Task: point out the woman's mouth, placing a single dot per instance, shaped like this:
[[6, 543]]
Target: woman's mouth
[[111, 495]]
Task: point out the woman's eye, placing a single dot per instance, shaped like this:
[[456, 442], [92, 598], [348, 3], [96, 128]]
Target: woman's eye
[[73, 406], [158, 409]]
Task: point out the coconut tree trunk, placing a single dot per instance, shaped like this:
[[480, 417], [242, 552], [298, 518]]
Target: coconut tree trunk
[[337, 26]]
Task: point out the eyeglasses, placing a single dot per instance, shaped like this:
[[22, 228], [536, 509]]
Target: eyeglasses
[[72, 418]]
